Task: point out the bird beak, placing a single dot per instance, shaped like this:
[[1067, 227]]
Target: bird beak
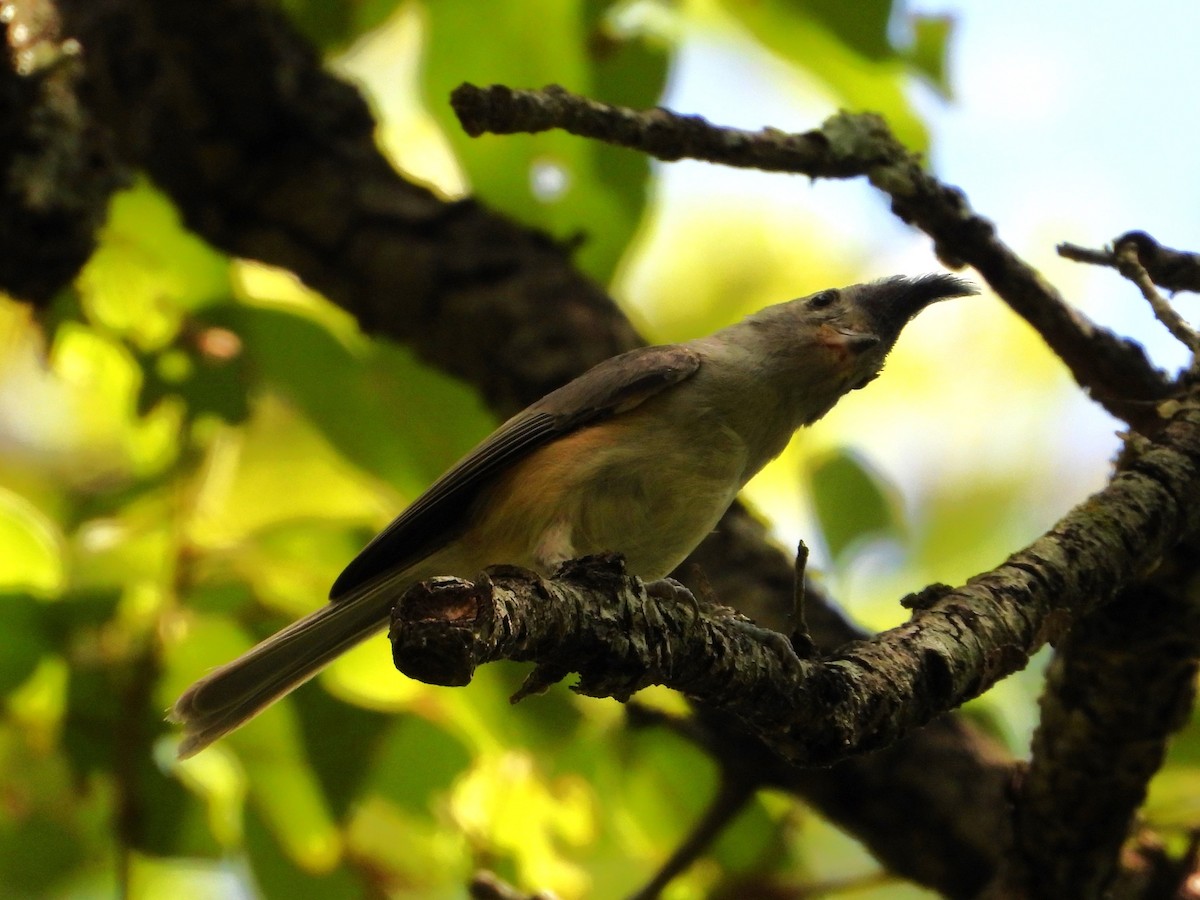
[[890, 304]]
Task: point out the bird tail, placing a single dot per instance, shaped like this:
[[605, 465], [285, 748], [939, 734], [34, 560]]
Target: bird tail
[[233, 694]]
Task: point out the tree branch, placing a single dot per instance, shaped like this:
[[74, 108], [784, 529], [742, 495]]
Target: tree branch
[[619, 637], [58, 168], [1172, 270], [1121, 682], [1115, 371]]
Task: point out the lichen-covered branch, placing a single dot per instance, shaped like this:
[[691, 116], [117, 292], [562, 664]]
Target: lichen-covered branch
[[658, 132], [1120, 684], [1172, 270], [1129, 265], [56, 164], [1115, 371], [620, 638]]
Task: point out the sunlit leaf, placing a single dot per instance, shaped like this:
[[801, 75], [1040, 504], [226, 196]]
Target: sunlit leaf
[[505, 803], [31, 548], [218, 780], [431, 862], [1174, 798], [276, 469], [149, 270], [107, 441], [151, 878]]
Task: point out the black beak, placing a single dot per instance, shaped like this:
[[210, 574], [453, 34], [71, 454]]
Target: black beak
[[891, 303]]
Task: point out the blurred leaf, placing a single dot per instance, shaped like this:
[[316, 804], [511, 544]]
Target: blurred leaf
[[853, 503], [332, 24], [416, 762], [286, 794], [93, 720], [931, 39], [369, 402], [149, 270], [207, 384], [36, 853], [282, 786], [862, 25], [151, 878], [969, 525], [31, 548], [104, 439], [423, 859], [277, 468], [277, 874], [24, 639], [562, 184], [752, 843], [79, 609], [505, 803], [342, 766], [166, 820], [1173, 800], [845, 51], [292, 563]]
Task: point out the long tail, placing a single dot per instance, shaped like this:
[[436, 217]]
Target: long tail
[[226, 698]]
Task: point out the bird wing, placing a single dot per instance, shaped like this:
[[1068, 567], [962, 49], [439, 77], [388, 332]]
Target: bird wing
[[433, 519]]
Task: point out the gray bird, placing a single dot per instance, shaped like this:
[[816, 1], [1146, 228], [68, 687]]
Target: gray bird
[[641, 455]]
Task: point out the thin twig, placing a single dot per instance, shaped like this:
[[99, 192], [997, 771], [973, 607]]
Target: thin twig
[[802, 641], [1130, 265], [1170, 269]]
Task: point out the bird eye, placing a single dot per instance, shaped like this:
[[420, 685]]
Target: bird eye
[[822, 300]]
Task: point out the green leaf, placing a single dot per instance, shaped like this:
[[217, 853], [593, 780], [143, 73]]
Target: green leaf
[[31, 548], [846, 55], [369, 401], [208, 384], [36, 853], [416, 762], [282, 786], [149, 270], [861, 25], [333, 24], [24, 639], [171, 821], [554, 181], [853, 503], [931, 38], [343, 766], [277, 874]]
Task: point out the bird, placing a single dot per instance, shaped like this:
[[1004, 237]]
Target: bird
[[641, 455]]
